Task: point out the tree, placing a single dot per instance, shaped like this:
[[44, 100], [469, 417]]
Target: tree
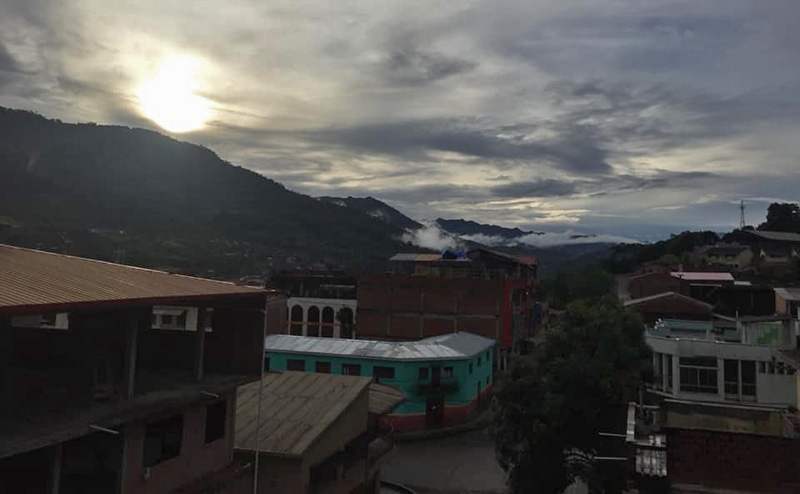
[[782, 217], [583, 283], [550, 409]]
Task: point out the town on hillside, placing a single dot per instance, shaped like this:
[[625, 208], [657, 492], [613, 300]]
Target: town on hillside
[[420, 377]]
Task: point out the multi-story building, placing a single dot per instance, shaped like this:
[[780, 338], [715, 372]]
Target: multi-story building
[[320, 303], [727, 360], [443, 377], [723, 405], [481, 291], [117, 379]]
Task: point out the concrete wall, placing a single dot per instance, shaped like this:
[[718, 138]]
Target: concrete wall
[[407, 375], [195, 460], [726, 460], [776, 389]]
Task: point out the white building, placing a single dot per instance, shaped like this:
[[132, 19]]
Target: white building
[[750, 360]]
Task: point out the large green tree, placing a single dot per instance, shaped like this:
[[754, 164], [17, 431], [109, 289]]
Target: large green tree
[[782, 217], [552, 406]]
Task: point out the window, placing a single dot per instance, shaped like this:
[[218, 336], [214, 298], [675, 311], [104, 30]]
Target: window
[[670, 373], [266, 364], [447, 372], [49, 320], [731, 374], [698, 374], [322, 367], [479, 361], [488, 356], [470, 368], [748, 378], [351, 369], [162, 440], [423, 373], [216, 414], [296, 365], [179, 318], [658, 370], [383, 373]]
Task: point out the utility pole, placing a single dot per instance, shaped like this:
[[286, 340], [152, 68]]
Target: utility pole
[[741, 215]]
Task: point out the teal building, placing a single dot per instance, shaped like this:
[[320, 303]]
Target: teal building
[[443, 377]]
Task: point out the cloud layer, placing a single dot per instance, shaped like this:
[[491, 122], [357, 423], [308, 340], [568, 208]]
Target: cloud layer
[[637, 118]]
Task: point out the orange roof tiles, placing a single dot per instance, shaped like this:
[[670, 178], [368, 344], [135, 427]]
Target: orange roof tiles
[[32, 279]]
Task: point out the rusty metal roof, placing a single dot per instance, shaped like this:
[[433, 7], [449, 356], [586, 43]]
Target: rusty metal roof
[[34, 280]]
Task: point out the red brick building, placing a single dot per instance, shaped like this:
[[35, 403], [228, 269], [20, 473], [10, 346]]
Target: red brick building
[[482, 292], [118, 379]]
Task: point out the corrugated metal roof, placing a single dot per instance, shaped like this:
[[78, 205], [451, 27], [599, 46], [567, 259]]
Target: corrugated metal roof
[[383, 398], [404, 257], [695, 276], [788, 293], [296, 409], [780, 236], [31, 279], [452, 346], [657, 296], [428, 257]]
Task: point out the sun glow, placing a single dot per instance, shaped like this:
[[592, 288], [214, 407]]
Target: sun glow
[[169, 98]]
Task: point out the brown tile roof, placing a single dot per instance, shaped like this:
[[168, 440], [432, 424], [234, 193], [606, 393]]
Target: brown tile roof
[[34, 280], [296, 409]]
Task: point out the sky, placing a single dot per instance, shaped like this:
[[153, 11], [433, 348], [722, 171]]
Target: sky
[[624, 117]]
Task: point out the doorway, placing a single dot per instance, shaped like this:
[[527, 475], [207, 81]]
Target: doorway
[[434, 411]]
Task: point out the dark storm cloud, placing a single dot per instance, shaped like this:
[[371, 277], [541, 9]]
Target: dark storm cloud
[[540, 188], [9, 69], [574, 147], [411, 66]]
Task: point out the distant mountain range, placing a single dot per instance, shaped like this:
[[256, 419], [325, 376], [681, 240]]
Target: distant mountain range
[[139, 197], [467, 227]]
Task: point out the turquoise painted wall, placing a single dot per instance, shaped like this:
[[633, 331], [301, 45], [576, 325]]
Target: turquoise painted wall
[[406, 375]]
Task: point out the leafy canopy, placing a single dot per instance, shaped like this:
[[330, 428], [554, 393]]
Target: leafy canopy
[[550, 409]]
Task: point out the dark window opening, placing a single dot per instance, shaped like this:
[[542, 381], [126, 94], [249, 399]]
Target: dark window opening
[[698, 374], [351, 369], [322, 367], [162, 440], [216, 413], [296, 365], [423, 373], [447, 372], [470, 368], [266, 364], [383, 373]]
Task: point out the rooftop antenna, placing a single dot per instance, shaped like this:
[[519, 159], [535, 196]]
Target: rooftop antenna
[[741, 215]]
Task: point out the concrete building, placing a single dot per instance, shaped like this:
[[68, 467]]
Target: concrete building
[[319, 303], [481, 291], [732, 256], [723, 406], [729, 360], [117, 379], [311, 432], [443, 377]]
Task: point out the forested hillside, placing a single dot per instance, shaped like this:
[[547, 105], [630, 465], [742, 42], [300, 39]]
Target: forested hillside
[[137, 196]]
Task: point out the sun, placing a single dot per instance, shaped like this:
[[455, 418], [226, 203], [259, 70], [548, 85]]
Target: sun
[[169, 98]]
